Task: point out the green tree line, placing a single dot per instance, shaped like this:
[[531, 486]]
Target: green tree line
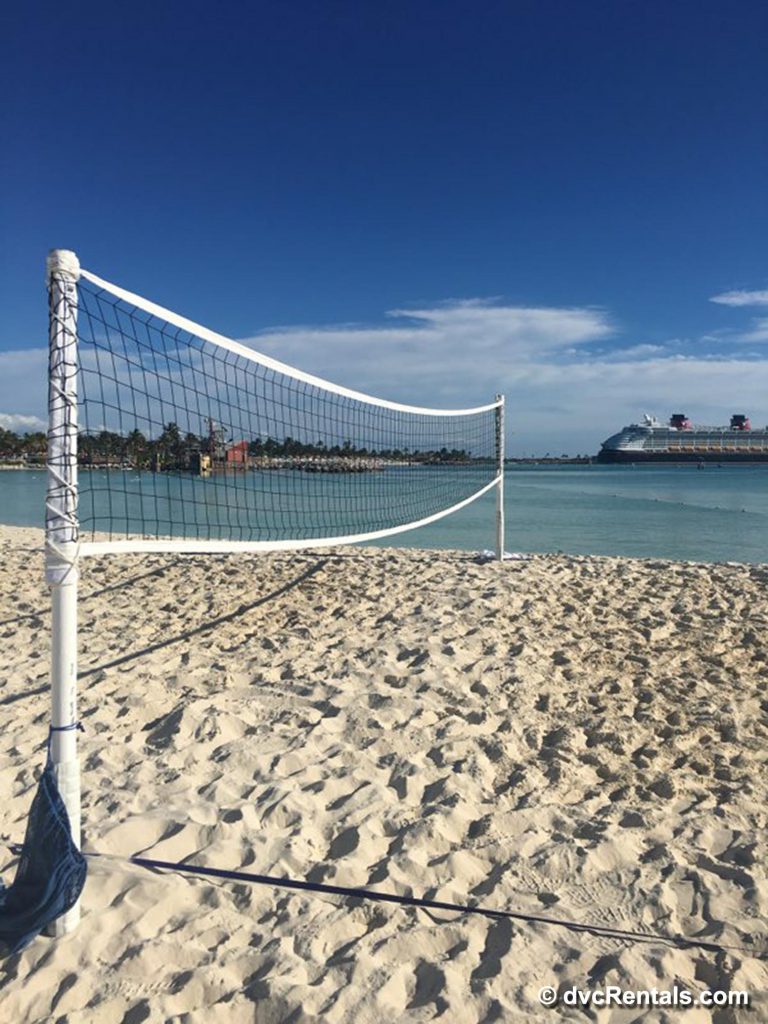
[[176, 450]]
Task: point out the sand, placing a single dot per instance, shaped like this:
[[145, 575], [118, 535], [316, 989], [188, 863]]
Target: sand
[[580, 738]]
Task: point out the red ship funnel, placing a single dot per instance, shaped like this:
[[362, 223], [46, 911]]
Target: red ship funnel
[[679, 421]]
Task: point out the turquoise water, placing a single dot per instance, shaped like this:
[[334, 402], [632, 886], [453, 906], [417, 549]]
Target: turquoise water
[[681, 512], [678, 512]]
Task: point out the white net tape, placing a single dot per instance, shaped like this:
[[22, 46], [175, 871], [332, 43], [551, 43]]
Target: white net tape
[[191, 441]]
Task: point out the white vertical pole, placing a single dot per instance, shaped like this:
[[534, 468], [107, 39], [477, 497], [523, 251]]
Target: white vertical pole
[[500, 470], [61, 538]]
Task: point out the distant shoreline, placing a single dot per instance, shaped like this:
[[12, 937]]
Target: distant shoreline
[[549, 460], [577, 460]]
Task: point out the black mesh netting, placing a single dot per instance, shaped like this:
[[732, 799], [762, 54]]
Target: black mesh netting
[[180, 437], [50, 874]]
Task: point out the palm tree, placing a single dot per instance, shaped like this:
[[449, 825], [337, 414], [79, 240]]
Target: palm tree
[[137, 448]]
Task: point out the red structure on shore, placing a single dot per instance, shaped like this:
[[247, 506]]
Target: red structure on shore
[[237, 453]]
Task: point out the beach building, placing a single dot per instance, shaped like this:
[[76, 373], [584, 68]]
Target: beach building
[[237, 453]]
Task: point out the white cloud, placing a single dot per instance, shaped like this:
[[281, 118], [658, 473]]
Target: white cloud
[[633, 352], [525, 328], [567, 386], [21, 424], [435, 354], [572, 408], [739, 297], [562, 394], [759, 331], [24, 388]]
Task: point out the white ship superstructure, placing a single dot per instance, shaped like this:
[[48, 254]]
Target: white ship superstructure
[[681, 441]]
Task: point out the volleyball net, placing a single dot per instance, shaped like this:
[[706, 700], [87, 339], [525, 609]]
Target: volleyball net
[[186, 436], [166, 436]]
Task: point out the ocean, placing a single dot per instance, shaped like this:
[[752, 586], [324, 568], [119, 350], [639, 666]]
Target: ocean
[[713, 514]]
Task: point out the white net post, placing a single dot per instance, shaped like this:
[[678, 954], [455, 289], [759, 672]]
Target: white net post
[[500, 487], [61, 539]]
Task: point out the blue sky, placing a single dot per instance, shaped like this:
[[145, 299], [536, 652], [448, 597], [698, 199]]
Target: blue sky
[[429, 201]]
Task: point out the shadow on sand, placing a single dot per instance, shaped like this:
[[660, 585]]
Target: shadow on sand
[[207, 627]]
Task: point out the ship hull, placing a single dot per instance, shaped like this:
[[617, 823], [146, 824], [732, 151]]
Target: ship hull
[[619, 455]]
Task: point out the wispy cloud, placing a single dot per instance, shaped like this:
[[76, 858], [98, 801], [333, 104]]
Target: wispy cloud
[[436, 351], [568, 384], [758, 332], [740, 297], [569, 377], [23, 389], [20, 423], [629, 354]]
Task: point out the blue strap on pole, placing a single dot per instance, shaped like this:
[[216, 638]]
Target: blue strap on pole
[[62, 728]]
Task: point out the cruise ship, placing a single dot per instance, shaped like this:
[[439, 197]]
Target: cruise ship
[[681, 441]]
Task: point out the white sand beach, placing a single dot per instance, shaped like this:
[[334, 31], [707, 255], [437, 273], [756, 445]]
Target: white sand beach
[[572, 737]]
